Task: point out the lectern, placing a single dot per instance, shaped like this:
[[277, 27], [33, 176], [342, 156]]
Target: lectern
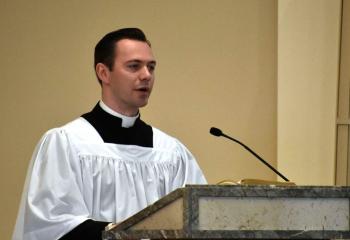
[[242, 212]]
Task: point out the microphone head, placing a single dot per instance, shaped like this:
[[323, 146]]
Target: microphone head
[[215, 131]]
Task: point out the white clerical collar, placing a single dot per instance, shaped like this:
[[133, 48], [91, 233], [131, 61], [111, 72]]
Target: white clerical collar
[[126, 121]]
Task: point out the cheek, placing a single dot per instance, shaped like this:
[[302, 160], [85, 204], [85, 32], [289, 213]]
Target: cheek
[[120, 81], [152, 81]]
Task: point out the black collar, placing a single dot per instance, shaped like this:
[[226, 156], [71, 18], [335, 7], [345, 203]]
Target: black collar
[[111, 131]]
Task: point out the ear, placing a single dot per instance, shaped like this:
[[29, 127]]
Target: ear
[[102, 72]]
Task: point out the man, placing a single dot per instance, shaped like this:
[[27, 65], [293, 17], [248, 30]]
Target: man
[[108, 164]]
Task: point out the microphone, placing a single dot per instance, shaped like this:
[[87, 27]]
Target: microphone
[[217, 132]]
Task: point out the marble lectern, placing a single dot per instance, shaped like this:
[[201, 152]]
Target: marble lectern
[[242, 212]]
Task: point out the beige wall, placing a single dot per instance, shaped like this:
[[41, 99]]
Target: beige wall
[[217, 67], [221, 64], [308, 63]]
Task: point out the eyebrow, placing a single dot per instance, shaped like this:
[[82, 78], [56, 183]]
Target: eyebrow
[[140, 61]]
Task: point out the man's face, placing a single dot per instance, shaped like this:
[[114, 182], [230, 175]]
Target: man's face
[[130, 82]]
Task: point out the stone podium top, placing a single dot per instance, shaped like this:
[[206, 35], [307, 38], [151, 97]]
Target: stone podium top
[[242, 212]]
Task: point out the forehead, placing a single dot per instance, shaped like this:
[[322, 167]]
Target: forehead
[[127, 49]]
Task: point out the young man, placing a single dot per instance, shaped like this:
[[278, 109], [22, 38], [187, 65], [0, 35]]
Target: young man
[[108, 164]]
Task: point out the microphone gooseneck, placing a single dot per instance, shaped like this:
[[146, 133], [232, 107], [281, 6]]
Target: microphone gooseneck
[[217, 132]]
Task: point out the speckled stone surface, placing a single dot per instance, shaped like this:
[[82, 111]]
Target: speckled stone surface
[[242, 212]]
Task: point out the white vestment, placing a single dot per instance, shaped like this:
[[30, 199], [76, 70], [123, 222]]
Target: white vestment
[[74, 176]]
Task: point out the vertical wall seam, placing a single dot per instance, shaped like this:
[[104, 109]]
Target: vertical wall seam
[[347, 158], [337, 170]]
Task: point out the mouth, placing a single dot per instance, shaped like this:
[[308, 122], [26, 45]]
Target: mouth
[[143, 89]]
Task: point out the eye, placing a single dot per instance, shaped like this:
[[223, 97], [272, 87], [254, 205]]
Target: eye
[[133, 66], [151, 67]]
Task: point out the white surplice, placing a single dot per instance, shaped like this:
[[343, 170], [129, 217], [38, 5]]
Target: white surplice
[[74, 176]]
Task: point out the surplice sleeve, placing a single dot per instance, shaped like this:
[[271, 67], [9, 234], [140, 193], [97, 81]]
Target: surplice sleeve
[[52, 203], [187, 170]]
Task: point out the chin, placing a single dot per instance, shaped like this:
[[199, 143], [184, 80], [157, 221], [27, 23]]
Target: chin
[[142, 104]]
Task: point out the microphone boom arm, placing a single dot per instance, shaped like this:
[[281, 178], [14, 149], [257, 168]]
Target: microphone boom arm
[[256, 155], [217, 132]]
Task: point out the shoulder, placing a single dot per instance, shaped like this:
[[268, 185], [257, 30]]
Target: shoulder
[[164, 140], [160, 137], [78, 130]]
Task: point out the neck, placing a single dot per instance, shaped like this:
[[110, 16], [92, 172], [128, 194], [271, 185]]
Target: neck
[[127, 121], [119, 109]]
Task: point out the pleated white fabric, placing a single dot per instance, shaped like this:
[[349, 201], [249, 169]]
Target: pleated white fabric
[[75, 176]]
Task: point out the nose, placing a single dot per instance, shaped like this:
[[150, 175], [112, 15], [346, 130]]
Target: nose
[[145, 74]]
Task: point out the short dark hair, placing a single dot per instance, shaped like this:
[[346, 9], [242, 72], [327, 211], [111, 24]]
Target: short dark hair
[[105, 48]]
